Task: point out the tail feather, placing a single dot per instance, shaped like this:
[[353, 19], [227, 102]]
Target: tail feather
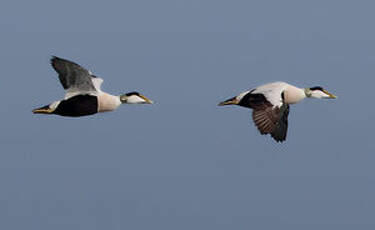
[[43, 110]]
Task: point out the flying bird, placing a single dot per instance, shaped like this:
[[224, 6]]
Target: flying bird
[[83, 94], [270, 104]]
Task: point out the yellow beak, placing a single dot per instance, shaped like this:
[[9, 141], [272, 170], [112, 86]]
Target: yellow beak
[[330, 94], [148, 101]]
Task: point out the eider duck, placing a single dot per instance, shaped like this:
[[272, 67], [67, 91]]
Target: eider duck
[[83, 94], [270, 104]]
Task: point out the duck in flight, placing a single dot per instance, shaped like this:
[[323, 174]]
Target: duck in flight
[[83, 94], [270, 104]]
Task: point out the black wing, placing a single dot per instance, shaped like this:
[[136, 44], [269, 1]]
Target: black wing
[[72, 76], [281, 129], [269, 119]]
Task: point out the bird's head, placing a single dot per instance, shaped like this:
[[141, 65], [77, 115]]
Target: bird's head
[[134, 98], [318, 92]]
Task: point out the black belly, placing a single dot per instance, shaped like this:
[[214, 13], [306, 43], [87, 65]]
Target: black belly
[[80, 105]]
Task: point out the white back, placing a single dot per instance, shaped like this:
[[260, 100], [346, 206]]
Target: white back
[[272, 92]]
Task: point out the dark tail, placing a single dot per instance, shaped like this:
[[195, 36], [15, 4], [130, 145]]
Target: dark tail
[[43, 110]]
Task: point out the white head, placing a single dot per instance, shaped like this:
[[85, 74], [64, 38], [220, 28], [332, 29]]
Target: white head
[[135, 98], [318, 92]]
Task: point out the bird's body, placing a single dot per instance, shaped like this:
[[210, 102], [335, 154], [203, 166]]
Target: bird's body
[[83, 94], [76, 106], [270, 104]]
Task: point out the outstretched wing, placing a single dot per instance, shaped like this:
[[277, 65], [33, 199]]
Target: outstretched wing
[[281, 129], [272, 120], [74, 78]]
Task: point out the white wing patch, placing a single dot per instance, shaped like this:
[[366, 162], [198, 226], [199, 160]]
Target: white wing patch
[[97, 82], [73, 93], [54, 105]]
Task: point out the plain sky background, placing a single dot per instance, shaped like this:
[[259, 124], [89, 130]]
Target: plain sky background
[[185, 163]]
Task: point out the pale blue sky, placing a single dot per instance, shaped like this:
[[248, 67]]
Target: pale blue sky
[[184, 163]]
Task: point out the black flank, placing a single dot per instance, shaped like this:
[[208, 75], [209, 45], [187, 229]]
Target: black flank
[[253, 100], [80, 105]]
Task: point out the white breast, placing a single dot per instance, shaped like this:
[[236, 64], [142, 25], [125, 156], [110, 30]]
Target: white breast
[[108, 102], [293, 94]]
